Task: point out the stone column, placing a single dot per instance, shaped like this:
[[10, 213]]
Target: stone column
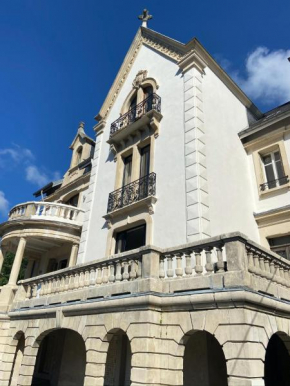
[[73, 255], [2, 254], [17, 262]]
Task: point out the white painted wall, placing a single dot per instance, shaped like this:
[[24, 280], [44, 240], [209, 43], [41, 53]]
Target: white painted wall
[[230, 187], [230, 183], [169, 217]]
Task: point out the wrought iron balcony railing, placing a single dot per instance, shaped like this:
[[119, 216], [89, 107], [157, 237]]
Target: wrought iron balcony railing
[[152, 102], [273, 184], [133, 192]]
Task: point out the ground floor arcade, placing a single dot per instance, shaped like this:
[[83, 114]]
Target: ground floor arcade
[[213, 347]]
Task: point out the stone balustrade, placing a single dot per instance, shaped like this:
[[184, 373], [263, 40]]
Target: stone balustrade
[[216, 264], [47, 210]]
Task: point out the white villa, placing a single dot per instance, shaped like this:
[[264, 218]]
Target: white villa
[[163, 255]]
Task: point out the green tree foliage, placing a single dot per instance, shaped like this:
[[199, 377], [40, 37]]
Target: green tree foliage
[[7, 266]]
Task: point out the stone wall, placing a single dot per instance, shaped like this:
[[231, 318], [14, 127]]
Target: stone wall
[[157, 339]]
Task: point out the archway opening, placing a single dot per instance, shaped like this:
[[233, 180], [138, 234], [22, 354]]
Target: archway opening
[[118, 364], [204, 362], [61, 360], [17, 360], [277, 361]]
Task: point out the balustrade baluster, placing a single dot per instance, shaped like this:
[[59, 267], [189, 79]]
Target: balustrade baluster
[[71, 284], [87, 277], [250, 261], [49, 286], [267, 268], [81, 278], [262, 265], [28, 292], [170, 272], [92, 276], [188, 264], [133, 273], [161, 267], [57, 286], [66, 282], [112, 272], [139, 267], [178, 270], [41, 284], [34, 290], [76, 280], [105, 273], [277, 277], [286, 275], [209, 264], [99, 276], [61, 284], [256, 264], [198, 267], [125, 273], [118, 271], [272, 269]]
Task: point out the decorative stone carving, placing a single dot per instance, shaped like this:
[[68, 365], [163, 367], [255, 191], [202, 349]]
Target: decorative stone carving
[[141, 75]]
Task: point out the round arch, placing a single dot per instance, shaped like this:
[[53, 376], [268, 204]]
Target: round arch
[[118, 361], [204, 362], [19, 342], [277, 360], [61, 358]]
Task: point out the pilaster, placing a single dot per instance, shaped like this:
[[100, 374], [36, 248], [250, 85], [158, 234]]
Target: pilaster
[[99, 129], [197, 203]]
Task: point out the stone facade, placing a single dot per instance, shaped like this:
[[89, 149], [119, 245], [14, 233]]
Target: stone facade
[[188, 299]]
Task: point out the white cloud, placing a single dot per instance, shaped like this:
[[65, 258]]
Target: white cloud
[[4, 204], [38, 176], [12, 156], [267, 76]]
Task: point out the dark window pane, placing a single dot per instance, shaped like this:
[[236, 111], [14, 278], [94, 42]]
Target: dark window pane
[[267, 159], [280, 169], [130, 239], [270, 175], [127, 170], [276, 241]]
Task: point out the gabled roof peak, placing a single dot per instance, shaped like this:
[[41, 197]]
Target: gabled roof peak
[[182, 54], [81, 133]]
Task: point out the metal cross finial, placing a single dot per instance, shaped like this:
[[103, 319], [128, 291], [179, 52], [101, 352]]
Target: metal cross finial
[[145, 17]]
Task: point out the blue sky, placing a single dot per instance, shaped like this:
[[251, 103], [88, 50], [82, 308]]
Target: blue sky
[[58, 59]]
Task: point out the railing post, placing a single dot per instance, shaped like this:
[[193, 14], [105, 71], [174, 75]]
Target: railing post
[[236, 256], [150, 264]]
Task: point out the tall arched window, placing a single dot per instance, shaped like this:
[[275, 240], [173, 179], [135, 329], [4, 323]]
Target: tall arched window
[[79, 155]]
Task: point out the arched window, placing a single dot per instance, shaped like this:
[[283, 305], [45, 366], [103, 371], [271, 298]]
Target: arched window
[[79, 155], [17, 360]]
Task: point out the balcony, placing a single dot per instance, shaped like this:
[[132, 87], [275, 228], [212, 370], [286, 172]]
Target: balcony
[[132, 193], [147, 112], [50, 211], [274, 184], [227, 268]]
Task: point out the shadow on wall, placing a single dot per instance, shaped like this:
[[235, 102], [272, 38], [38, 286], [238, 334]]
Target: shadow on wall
[[61, 360]]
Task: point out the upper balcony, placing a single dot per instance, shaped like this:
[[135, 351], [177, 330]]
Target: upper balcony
[[50, 211], [134, 192], [147, 112]]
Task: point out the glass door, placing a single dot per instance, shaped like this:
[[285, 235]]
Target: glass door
[[144, 171]]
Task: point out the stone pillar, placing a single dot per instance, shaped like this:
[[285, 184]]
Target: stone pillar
[[2, 254], [73, 255], [17, 262]]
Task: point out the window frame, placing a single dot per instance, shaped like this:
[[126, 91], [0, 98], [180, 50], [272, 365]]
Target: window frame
[[261, 179]]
